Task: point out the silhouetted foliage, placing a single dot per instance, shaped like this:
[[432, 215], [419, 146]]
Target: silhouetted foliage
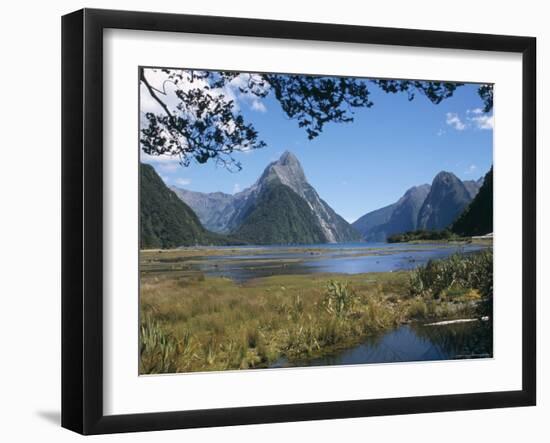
[[436, 92], [198, 119], [314, 101], [203, 126], [486, 94]]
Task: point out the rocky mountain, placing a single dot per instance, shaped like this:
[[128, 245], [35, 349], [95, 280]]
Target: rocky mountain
[[477, 218], [401, 216], [165, 220], [288, 171], [370, 224], [213, 209], [404, 217], [473, 186], [228, 214], [446, 200], [409, 213], [280, 216]]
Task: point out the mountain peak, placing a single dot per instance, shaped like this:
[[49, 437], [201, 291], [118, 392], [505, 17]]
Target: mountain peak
[[288, 158], [287, 170], [447, 199], [445, 175]]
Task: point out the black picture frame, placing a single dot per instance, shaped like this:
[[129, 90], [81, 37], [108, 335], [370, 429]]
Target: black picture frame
[[82, 218]]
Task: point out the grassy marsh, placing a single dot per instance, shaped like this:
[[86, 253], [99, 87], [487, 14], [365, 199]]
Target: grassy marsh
[[190, 322]]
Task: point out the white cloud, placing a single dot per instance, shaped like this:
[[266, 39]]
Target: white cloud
[[475, 118], [257, 105], [475, 111], [242, 82], [246, 150], [166, 89], [236, 188], [162, 159], [484, 121], [182, 181], [479, 119], [454, 120], [440, 132], [471, 169]]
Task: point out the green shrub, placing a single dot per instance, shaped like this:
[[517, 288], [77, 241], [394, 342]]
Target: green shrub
[[340, 299], [460, 271], [444, 234], [418, 308], [158, 350]]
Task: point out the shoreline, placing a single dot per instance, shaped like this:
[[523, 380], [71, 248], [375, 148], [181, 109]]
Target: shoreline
[[260, 249], [243, 263], [228, 325]]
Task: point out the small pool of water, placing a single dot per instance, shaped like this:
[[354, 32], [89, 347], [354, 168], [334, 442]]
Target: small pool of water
[[412, 343]]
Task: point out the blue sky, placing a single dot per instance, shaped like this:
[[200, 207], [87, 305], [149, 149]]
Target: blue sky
[[360, 166]]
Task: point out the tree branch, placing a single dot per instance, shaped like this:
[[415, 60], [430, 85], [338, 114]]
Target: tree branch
[[155, 97]]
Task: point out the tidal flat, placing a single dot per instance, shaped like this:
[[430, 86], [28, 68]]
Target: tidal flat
[[205, 309], [247, 262]]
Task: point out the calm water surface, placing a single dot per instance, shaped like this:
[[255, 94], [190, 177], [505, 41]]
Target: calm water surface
[[413, 343], [349, 258]]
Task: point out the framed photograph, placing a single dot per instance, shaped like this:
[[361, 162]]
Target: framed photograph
[[269, 221]]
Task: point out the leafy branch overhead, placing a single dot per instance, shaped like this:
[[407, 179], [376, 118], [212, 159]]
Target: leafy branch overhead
[[195, 115]]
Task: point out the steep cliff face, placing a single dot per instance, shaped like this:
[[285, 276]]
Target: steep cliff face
[[280, 216], [477, 218], [473, 186], [288, 171], [371, 225], [213, 209], [430, 207], [447, 198], [405, 215], [166, 221], [225, 213], [402, 216]]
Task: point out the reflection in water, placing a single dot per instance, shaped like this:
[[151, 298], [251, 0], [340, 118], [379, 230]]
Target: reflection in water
[[335, 258], [460, 340], [413, 343]]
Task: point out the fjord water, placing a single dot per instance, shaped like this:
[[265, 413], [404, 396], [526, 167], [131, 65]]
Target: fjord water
[[344, 258], [415, 342]]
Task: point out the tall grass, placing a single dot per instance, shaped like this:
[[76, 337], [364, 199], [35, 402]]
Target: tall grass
[[465, 281], [340, 299], [194, 324], [158, 350], [459, 272]]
